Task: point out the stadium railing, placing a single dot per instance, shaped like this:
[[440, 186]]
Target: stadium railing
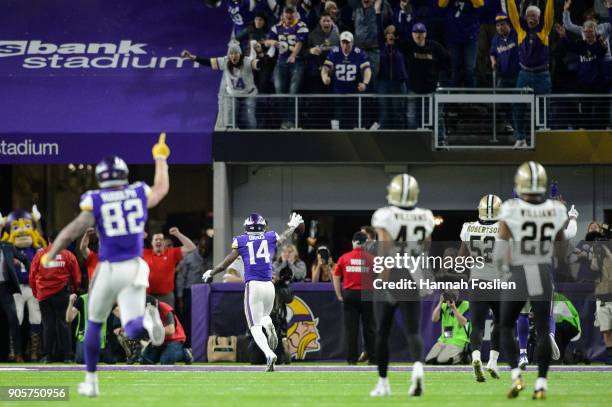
[[456, 117], [574, 111]]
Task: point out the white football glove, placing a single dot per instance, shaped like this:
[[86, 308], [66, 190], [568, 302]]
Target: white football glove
[[36, 213], [207, 276], [295, 220], [573, 213], [2, 221]]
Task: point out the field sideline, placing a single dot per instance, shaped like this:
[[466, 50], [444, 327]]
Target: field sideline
[[304, 384]]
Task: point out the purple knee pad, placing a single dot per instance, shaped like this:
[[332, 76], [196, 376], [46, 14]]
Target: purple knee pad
[[134, 329]]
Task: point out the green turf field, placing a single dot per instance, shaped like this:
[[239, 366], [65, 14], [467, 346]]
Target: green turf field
[[173, 389]]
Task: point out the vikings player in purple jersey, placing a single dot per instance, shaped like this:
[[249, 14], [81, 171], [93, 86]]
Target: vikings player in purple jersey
[[119, 212], [256, 247]]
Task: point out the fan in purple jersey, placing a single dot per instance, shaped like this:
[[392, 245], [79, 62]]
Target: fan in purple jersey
[[256, 247], [347, 69], [119, 212]]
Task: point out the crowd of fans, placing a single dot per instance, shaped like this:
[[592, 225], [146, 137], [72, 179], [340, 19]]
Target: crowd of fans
[[391, 47], [59, 296]]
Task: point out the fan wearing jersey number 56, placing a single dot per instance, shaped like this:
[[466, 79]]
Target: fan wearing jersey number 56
[[256, 247]]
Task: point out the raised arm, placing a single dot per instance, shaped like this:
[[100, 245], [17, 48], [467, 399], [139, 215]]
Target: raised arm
[[515, 19], [187, 245], [294, 221], [549, 16], [85, 242], [161, 181], [567, 20], [70, 233]]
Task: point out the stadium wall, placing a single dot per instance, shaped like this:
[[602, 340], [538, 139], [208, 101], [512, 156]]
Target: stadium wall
[[276, 190]]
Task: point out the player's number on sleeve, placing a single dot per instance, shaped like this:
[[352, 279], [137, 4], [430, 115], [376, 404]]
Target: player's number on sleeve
[[544, 236], [262, 252], [346, 73], [123, 217]]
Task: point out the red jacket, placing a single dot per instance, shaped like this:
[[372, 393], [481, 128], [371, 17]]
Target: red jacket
[[179, 333], [46, 282]]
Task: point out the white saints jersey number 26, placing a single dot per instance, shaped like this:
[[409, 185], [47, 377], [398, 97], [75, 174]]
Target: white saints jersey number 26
[[533, 228]]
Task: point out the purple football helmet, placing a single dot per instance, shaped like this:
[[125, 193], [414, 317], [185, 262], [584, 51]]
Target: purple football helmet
[[112, 172], [255, 223]]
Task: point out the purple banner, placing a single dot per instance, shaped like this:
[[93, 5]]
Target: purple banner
[[217, 310], [76, 148], [109, 66]]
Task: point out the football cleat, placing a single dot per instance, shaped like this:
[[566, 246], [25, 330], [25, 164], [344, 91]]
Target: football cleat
[[518, 385], [153, 325], [523, 361], [492, 369], [556, 353], [417, 387], [539, 395], [382, 389], [89, 389], [478, 373], [270, 360]]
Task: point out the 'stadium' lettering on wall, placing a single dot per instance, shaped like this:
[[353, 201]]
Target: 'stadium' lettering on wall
[[28, 148], [124, 54]]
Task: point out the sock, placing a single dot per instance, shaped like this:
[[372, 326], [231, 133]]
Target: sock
[[383, 381], [552, 325], [516, 373], [261, 340], [476, 355], [522, 327], [493, 356], [92, 345], [134, 329], [35, 328], [417, 370], [541, 384], [91, 377]]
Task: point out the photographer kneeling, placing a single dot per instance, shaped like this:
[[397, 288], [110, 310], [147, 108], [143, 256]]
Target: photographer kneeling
[[451, 344]]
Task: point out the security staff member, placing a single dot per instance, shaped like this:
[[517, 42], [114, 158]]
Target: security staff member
[[352, 271]]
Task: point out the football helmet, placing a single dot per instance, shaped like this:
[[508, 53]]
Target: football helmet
[[403, 191], [530, 179], [112, 171], [255, 223], [489, 207]]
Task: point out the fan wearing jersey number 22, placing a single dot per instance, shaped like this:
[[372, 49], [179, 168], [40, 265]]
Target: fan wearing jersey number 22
[[256, 247]]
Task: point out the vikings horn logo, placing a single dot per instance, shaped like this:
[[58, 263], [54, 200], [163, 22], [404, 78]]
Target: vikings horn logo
[[302, 333], [21, 229]]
